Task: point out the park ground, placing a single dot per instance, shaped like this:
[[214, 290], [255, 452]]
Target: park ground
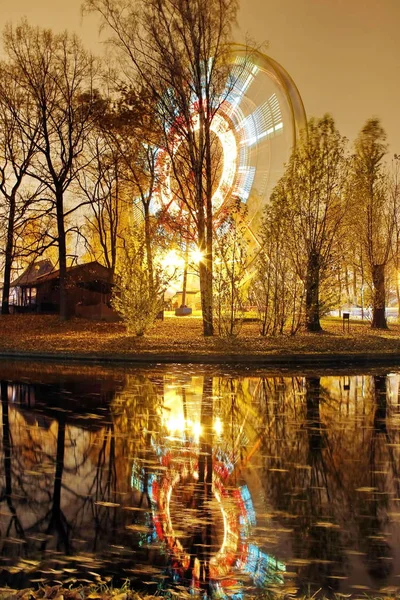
[[180, 339]]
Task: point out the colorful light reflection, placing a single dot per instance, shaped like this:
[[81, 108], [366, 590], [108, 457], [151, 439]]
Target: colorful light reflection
[[182, 509]]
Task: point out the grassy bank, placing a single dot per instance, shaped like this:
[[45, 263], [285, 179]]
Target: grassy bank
[[182, 336]]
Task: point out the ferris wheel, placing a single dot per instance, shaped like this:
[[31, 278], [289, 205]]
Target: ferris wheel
[[256, 125]]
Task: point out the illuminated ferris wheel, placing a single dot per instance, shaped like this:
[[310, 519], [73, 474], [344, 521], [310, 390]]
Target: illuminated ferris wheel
[[257, 125]]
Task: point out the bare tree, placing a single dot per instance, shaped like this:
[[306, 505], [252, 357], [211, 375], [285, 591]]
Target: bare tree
[[311, 196], [21, 216], [375, 211], [276, 287], [58, 75], [178, 49], [395, 192], [102, 183], [231, 272], [129, 131]]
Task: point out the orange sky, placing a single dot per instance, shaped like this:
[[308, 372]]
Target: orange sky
[[344, 55]]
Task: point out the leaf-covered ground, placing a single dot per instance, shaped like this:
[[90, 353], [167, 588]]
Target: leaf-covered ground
[[182, 337], [58, 592], [61, 593]]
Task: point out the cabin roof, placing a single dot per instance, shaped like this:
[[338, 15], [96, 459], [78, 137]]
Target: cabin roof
[[32, 272], [99, 272]]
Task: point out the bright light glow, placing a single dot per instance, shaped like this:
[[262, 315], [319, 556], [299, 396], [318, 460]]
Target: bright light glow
[[229, 145], [176, 424], [173, 259], [257, 137], [236, 133], [197, 430], [196, 255], [218, 426], [244, 182], [222, 129], [256, 118], [226, 527]]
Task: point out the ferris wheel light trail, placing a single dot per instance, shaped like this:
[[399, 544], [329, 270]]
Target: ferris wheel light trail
[[256, 125]]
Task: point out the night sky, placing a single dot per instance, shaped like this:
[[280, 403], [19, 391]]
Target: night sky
[[344, 55]]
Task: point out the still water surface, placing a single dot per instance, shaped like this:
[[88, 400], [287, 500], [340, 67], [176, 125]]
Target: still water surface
[[188, 478]]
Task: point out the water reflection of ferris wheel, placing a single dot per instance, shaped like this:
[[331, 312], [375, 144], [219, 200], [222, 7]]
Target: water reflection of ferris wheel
[[255, 128], [202, 510]]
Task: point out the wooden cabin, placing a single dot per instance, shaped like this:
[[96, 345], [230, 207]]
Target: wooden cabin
[[88, 291], [22, 295]]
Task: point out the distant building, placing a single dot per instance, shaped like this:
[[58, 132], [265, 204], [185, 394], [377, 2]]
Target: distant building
[[192, 300]]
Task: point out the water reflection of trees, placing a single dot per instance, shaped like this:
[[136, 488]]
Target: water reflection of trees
[[301, 478], [373, 493], [67, 471], [14, 525], [47, 469], [329, 472], [80, 477]]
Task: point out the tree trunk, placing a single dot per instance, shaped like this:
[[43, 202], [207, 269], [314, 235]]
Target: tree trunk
[[185, 273], [149, 254], [204, 220], [312, 294], [62, 253], [206, 299], [205, 482], [208, 324], [398, 296], [59, 469], [7, 451], [378, 308], [313, 396], [9, 251], [206, 278], [7, 443], [381, 398]]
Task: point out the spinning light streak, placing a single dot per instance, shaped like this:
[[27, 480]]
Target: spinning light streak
[[257, 124]]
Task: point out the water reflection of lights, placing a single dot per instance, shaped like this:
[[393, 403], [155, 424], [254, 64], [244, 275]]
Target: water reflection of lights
[[187, 511], [179, 425], [161, 493]]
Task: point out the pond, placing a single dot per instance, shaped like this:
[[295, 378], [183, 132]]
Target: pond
[[208, 480]]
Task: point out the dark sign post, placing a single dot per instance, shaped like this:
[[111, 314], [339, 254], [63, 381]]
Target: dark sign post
[[346, 319]]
